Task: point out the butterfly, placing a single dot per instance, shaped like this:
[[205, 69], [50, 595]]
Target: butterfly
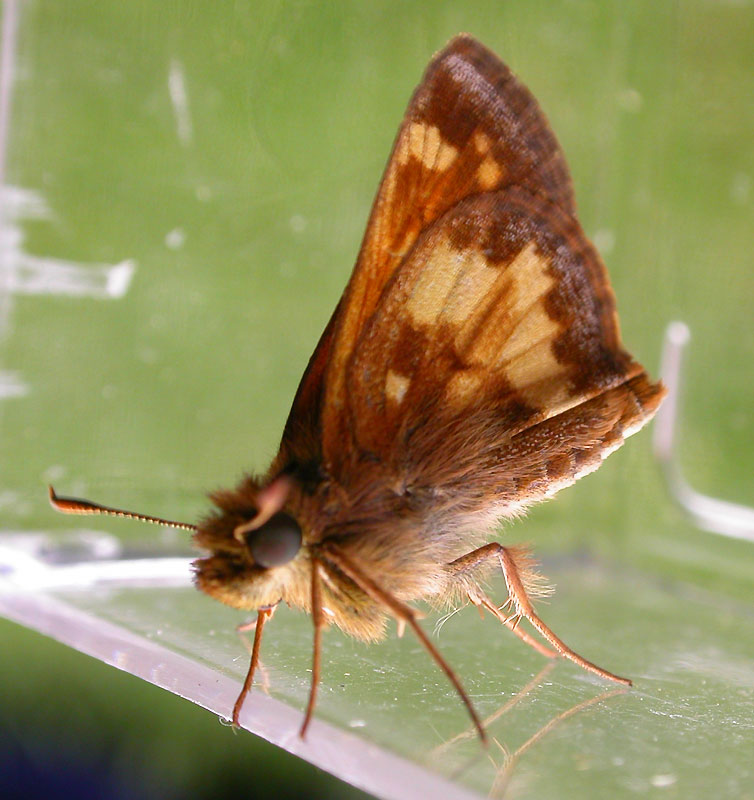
[[472, 367]]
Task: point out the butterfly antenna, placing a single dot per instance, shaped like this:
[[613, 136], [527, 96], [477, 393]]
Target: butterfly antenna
[[72, 505], [403, 612]]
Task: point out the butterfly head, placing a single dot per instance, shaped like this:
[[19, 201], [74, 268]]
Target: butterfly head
[[256, 548], [274, 543]]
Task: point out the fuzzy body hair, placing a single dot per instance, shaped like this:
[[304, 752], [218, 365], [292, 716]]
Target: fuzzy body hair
[[405, 522]]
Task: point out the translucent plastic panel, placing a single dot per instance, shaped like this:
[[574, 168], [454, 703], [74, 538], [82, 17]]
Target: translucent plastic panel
[[184, 188]]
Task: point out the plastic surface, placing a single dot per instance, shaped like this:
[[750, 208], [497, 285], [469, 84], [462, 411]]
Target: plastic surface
[[184, 191], [387, 720]]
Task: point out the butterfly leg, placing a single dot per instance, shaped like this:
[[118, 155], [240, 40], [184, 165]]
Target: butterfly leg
[[318, 618], [245, 627], [519, 600], [406, 614], [467, 564], [262, 616], [482, 601]]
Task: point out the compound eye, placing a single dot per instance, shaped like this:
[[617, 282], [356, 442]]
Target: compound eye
[[276, 542]]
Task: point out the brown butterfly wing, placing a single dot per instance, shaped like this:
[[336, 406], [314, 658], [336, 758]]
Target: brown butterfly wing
[[470, 127], [304, 417], [501, 320], [470, 131]]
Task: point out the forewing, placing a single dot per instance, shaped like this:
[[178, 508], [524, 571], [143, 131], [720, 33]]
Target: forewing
[[470, 128], [501, 318], [305, 412], [477, 310]]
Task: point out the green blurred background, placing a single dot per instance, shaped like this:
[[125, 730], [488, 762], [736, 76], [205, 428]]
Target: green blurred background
[[232, 150]]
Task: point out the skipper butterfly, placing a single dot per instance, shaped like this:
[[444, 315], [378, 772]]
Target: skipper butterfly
[[472, 367]]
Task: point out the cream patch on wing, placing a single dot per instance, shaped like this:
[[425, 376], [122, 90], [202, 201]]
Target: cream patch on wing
[[518, 319], [426, 144], [396, 386], [434, 284], [527, 355], [502, 326], [473, 285], [490, 171], [464, 385], [482, 142], [454, 287], [499, 322]]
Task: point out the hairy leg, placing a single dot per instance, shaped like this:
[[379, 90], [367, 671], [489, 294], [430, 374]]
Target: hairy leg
[[402, 613], [513, 563], [262, 616]]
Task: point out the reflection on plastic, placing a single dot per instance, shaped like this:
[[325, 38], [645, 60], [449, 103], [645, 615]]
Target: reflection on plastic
[[26, 566], [510, 759], [353, 759], [503, 776]]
